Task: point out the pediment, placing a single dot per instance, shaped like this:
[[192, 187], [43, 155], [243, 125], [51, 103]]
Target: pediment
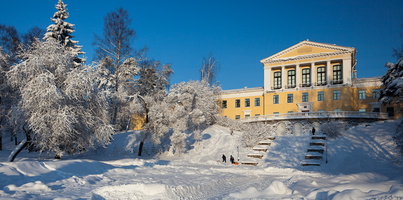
[[307, 49]]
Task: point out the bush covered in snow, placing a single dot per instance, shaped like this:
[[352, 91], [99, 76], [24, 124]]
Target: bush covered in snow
[[333, 128], [253, 133]]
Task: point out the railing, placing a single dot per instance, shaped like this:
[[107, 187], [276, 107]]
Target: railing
[[305, 85], [320, 83], [323, 114]]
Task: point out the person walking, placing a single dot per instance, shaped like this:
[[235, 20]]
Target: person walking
[[224, 159], [313, 130]]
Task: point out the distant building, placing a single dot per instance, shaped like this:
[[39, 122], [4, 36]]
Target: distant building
[[309, 79]]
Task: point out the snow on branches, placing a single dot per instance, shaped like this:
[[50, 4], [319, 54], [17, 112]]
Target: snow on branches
[[393, 82], [64, 108], [189, 108], [62, 32]]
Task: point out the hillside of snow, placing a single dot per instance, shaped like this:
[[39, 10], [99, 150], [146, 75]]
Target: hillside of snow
[[361, 164]]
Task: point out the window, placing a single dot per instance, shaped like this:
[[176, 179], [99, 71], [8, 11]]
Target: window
[[257, 114], [376, 110], [247, 102], [306, 77], [336, 95], [290, 112], [247, 116], [237, 116], [276, 113], [277, 80], [321, 96], [376, 93], [305, 97], [276, 99], [224, 104], [337, 110], [237, 103], [362, 110], [361, 94], [390, 111], [321, 76], [291, 78], [337, 74], [257, 102], [290, 98]]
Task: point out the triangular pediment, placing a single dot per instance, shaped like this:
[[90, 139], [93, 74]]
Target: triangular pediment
[[306, 49]]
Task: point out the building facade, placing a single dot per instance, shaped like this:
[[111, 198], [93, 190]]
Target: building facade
[[309, 77]]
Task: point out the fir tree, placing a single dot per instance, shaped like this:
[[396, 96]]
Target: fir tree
[[62, 32], [393, 82]]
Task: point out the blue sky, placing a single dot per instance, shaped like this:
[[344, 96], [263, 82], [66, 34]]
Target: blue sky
[[237, 33]]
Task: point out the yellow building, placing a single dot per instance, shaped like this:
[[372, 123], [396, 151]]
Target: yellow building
[[309, 78]]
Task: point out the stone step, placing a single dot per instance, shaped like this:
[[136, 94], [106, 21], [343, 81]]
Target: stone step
[[316, 144], [310, 157], [316, 150], [255, 155], [310, 164], [265, 142], [249, 163], [271, 138], [318, 137], [260, 148]]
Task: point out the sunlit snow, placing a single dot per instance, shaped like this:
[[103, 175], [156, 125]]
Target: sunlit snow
[[362, 164]]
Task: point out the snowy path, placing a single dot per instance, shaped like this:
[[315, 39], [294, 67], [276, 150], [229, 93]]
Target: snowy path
[[198, 175]]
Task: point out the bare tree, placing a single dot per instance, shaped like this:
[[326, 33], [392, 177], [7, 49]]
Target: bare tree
[[33, 34], [116, 57], [398, 52], [9, 41], [208, 69]]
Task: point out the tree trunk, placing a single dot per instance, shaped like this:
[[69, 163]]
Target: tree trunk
[[140, 148], [17, 150]]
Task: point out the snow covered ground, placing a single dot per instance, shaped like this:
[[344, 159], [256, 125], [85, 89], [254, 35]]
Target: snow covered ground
[[362, 164]]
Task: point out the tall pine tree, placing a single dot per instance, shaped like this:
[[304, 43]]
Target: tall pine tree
[[62, 32]]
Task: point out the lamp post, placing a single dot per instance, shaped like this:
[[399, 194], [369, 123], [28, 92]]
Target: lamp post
[[326, 145], [237, 148]]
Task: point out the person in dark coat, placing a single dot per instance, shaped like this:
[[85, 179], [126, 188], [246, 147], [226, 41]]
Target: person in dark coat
[[231, 158], [224, 159], [313, 130]]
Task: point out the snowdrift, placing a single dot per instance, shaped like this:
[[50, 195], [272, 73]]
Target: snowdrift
[[363, 163]]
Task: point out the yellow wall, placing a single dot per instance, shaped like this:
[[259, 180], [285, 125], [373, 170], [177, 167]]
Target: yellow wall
[[231, 111]]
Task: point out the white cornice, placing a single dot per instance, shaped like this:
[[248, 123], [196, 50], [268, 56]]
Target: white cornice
[[339, 51]]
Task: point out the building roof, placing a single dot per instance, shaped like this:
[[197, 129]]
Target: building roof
[[308, 49]]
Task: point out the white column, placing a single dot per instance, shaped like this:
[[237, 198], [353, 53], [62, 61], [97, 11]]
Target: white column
[[328, 72], [268, 80], [283, 77], [347, 71], [313, 74], [298, 75]]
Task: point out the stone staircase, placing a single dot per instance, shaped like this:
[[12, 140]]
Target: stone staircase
[[315, 151], [259, 149]]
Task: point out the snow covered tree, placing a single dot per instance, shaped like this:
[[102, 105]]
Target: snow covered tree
[[189, 108], [65, 111], [393, 83], [3, 65], [118, 66], [62, 32], [209, 69]]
